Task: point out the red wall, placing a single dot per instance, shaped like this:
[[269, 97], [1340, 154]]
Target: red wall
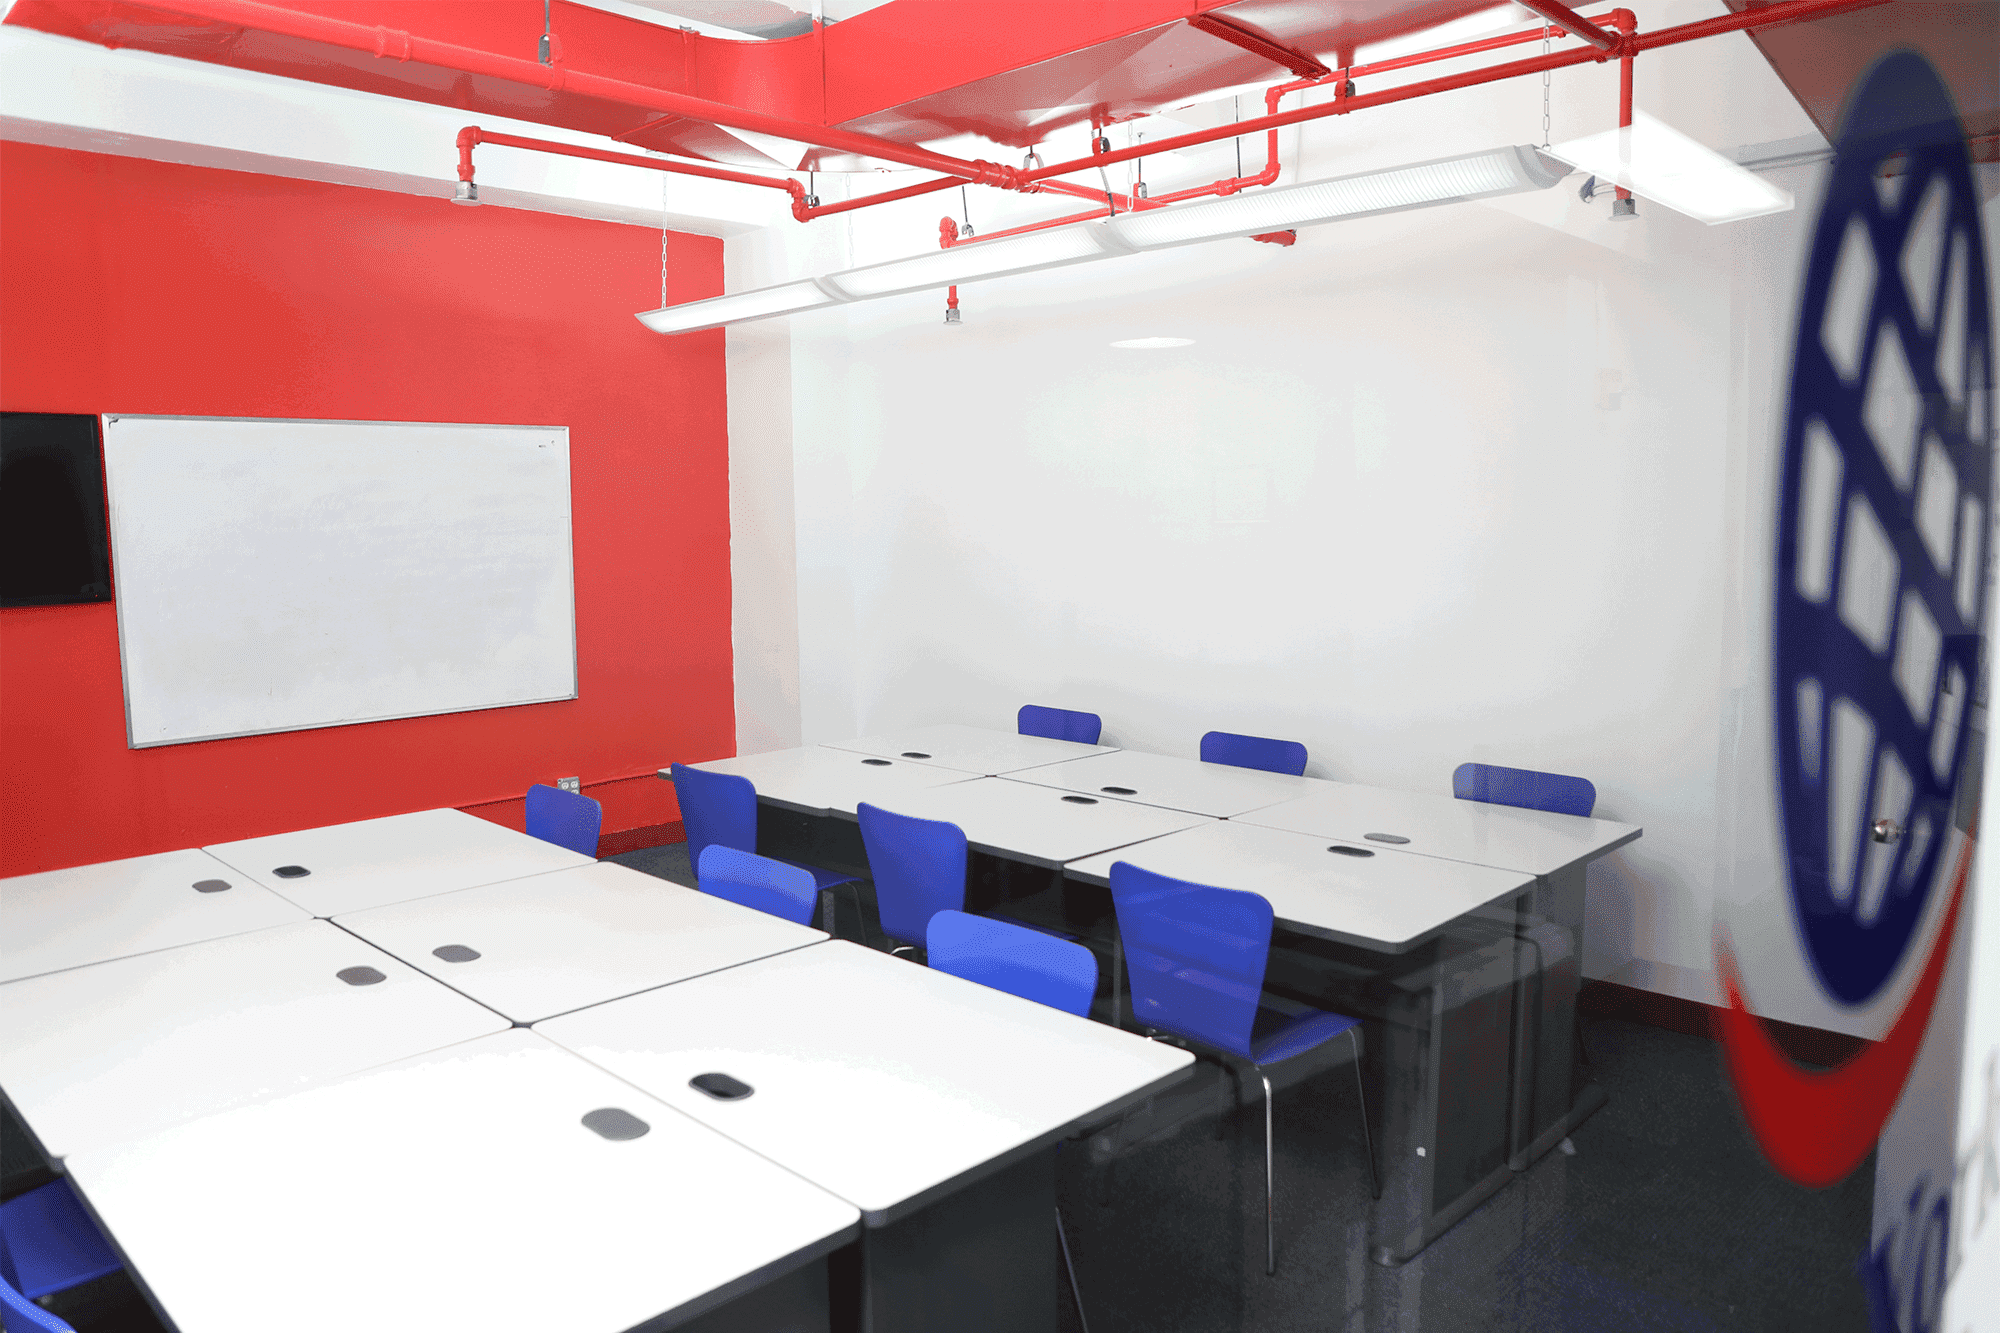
[[135, 286]]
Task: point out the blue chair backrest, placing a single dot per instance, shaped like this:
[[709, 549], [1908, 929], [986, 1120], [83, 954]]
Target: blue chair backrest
[[565, 818], [1059, 724], [1226, 747], [717, 809], [757, 881], [18, 1314], [1525, 788], [1015, 959], [918, 866], [48, 1243], [1195, 954]]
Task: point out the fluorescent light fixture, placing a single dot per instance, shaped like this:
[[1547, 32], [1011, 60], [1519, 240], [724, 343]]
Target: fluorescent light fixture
[[720, 310], [1446, 181], [1153, 344], [983, 259], [1658, 162]]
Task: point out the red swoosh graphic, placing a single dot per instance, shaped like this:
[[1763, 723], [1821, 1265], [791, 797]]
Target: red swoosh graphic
[[1815, 1126]]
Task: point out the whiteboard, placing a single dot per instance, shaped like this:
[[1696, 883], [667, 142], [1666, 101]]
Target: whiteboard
[[278, 575]]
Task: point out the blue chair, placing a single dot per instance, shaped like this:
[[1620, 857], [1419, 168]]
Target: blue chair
[[18, 1314], [1524, 788], [47, 1244], [1015, 959], [566, 818], [1196, 957], [1059, 724], [720, 809], [1022, 962], [918, 866], [757, 881], [1226, 747]]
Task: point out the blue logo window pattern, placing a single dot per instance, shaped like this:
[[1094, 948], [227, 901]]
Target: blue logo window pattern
[[1881, 572]]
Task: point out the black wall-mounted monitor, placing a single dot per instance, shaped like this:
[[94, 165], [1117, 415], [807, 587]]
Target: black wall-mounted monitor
[[54, 543]]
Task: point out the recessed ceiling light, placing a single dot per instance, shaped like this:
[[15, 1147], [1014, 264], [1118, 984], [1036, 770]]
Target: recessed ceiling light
[[1153, 344]]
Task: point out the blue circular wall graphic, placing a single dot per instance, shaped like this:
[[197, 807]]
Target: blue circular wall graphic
[[1880, 581]]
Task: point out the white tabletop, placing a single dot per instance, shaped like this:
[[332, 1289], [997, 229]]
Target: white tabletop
[[556, 942], [974, 749], [1216, 790], [1042, 825], [1382, 901], [373, 862], [88, 914], [1503, 836], [121, 1049], [457, 1190], [822, 780], [878, 1079]]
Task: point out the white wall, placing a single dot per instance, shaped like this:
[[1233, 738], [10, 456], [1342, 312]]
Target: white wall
[[1481, 482]]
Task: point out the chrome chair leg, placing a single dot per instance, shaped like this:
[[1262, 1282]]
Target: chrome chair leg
[[1361, 1095], [1070, 1268], [1270, 1222]]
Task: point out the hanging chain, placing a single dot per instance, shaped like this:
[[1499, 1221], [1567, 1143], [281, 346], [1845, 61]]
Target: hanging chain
[[663, 238], [1547, 29]]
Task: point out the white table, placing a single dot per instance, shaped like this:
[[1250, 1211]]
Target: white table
[[1040, 825], [822, 780], [1531, 841], [1220, 791], [122, 1049], [1382, 902], [876, 1078], [551, 943], [88, 914], [974, 749], [373, 862], [929, 1102], [461, 1190]]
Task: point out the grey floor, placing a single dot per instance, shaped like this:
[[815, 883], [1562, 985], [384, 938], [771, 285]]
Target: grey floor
[[1663, 1219]]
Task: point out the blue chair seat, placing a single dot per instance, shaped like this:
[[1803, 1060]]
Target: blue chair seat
[[1291, 1035], [822, 877]]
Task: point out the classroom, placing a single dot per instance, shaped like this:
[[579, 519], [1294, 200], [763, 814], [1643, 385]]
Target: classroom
[[1540, 455]]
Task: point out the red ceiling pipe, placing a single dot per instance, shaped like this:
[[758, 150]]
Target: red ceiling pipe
[[388, 43], [1628, 24], [1788, 11], [1444, 53], [1571, 22], [472, 135]]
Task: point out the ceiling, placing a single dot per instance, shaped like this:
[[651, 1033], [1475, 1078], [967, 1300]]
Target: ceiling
[[995, 77]]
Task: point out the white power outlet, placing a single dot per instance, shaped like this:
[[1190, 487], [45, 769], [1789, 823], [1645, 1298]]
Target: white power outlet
[[570, 784]]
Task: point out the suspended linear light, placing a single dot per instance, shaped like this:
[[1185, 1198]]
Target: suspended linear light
[[1658, 162], [1447, 181], [987, 259], [720, 310]]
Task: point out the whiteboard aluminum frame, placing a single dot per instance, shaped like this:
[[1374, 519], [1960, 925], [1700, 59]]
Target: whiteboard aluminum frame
[[106, 419]]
